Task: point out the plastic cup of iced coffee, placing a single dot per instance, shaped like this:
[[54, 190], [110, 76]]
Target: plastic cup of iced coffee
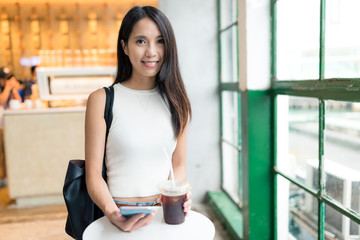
[[173, 195]]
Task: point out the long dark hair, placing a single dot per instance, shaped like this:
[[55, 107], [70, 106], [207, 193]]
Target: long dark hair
[[168, 80]]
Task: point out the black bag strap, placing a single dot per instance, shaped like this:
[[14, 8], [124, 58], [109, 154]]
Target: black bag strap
[[108, 108], [108, 115]]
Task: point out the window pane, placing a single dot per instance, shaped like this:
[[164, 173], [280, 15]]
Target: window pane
[[230, 117], [297, 138], [230, 150], [298, 24], [230, 170], [342, 46], [340, 226], [229, 64], [342, 152], [296, 209], [228, 12]]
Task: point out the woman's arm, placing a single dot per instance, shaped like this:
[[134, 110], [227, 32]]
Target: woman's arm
[[10, 85], [15, 91], [179, 165], [95, 130], [179, 156], [4, 96], [95, 133]]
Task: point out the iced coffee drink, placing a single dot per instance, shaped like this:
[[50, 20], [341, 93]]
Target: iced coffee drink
[[173, 196]]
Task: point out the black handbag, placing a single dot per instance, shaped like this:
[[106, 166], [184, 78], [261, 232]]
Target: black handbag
[[81, 209]]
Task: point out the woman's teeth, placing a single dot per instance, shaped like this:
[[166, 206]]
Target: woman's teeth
[[152, 64]]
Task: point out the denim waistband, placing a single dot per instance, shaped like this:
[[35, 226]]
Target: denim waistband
[[139, 204]]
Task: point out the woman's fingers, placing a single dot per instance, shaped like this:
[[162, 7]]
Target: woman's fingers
[[134, 222], [128, 225], [188, 195], [187, 206], [142, 221], [187, 203]]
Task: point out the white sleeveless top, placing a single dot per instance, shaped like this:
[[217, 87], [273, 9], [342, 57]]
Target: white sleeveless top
[[140, 129]]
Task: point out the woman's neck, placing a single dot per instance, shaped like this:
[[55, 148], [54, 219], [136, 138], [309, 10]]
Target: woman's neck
[[140, 83]]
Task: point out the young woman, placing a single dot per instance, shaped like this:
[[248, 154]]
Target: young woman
[[151, 112]]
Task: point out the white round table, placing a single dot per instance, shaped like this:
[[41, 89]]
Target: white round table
[[196, 226]]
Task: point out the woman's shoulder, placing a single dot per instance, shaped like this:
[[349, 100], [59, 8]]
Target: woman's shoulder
[[97, 99], [97, 94]]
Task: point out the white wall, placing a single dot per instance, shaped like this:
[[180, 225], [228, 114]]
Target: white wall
[[254, 45], [195, 25]]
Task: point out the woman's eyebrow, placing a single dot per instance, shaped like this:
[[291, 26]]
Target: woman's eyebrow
[[144, 37], [140, 36]]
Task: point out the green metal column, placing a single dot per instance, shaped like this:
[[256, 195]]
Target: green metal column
[[273, 13], [321, 171], [257, 165]]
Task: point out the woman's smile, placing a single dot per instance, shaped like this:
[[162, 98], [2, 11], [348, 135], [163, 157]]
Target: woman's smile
[[150, 64]]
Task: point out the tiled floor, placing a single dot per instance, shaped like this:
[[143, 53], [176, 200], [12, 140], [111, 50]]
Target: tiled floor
[[47, 222]]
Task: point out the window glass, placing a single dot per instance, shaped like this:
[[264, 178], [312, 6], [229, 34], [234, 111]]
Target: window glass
[[297, 119], [297, 138], [230, 149], [296, 209], [230, 117], [228, 12], [230, 165], [230, 101], [340, 226], [229, 64], [342, 44], [342, 152], [298, 39]]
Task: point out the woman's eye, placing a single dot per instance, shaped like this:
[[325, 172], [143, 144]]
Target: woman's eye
[[161, 41], [140, 41]]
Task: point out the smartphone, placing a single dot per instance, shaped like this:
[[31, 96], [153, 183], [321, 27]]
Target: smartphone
[[129, 211]]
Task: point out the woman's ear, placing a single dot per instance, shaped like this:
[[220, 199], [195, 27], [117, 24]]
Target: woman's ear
[[124, 47]]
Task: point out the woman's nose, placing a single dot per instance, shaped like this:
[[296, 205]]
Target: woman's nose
[[151, 50]]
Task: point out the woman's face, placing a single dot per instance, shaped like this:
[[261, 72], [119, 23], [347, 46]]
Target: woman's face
[[145, 49]]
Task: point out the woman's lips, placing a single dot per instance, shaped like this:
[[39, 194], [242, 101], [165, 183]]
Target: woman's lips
[[150, 64]]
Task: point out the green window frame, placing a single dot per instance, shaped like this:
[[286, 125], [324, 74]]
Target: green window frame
[[227, 203], [323, 89], [229, 86], [248, 214]]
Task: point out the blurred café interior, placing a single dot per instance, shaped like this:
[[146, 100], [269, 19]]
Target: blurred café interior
[[274, 143]]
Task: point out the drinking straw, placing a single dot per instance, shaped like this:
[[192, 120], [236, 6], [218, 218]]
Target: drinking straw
[[171, 167]]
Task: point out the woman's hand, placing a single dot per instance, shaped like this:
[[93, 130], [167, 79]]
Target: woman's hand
[[129, 224], [187, 203]]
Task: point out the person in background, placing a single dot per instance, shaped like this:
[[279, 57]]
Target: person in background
[[151, 111], [30, 90], [33, 73], [34, 87], [9, 89], [28, 84]]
